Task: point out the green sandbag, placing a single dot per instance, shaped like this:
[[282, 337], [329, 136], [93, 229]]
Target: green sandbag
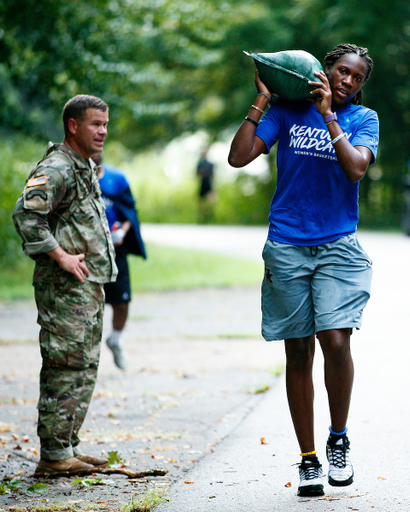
[[286, 74]]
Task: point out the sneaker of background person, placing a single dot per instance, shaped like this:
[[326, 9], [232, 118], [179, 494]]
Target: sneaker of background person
[[310, 474], [120, 359], [338, 454]]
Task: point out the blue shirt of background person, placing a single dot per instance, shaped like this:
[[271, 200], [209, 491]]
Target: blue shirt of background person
[[314, 202], [120, 206], [114, 183]]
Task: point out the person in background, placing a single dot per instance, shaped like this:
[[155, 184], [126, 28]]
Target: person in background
[[317, 276], [61, 219], [205, 173], [405, 221], [125, 232]]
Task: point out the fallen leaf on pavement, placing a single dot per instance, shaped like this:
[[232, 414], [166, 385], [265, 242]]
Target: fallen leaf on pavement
[[187, 482], [263, 440], [38, 488], [113, 458], [288, 484]]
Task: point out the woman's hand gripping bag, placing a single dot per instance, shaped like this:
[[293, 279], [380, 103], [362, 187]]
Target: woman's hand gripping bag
[[286, 74]]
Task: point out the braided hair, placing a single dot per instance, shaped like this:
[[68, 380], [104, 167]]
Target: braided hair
[[344, 48]]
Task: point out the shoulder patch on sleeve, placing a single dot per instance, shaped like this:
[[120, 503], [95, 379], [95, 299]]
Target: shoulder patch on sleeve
[[37, 194], [40, 180]]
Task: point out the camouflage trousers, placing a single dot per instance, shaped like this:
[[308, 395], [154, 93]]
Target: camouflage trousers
[[71, 317]]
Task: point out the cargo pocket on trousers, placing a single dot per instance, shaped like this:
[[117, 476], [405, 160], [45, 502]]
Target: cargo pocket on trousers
[[67, 352]]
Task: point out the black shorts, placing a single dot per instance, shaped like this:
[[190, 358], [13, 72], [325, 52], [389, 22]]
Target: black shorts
[[120, 291], [206, 187]]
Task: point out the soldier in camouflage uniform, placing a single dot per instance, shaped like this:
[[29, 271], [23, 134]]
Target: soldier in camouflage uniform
[[61, 218]]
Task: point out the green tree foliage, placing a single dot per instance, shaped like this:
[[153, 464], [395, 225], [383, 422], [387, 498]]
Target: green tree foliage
[[167, 67], [171, 66], [18, 155], [383, 28], [152, 60]]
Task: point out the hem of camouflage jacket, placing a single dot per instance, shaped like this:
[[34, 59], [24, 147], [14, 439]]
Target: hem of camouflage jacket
[[56, 278], [60, 454], [33, 248]]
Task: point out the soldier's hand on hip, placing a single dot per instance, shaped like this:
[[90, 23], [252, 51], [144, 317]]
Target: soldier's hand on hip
[[71, 263]]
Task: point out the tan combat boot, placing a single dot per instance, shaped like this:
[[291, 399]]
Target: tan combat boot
[[71, 465], [90, 459]]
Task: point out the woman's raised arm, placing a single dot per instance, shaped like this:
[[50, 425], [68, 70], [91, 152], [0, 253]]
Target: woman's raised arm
[[246, 146]]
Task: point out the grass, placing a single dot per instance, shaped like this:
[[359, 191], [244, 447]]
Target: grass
[[166, 268], [15, 283], [169, 268], [54, 507], [145, 502]]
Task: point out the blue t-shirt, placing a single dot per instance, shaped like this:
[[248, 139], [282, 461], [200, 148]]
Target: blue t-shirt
[[314, 201], [113, 182]]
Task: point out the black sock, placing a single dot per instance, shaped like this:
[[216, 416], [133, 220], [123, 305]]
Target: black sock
[[310, 458], [333, 439]]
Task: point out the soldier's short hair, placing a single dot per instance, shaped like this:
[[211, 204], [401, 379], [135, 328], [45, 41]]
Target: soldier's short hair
[[77, 107]]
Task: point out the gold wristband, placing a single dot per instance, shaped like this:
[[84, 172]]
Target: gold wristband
[[257, 108]]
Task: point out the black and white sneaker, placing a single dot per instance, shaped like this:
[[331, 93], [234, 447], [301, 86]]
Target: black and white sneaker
[[311, 483], [340, 468]]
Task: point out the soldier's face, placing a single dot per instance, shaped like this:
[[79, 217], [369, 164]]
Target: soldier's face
[[91, 132]]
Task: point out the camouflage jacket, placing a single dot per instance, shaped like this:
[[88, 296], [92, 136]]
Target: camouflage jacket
[[61, 205]]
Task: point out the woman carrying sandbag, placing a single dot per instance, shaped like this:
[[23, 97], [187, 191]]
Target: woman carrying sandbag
[[317, 276]]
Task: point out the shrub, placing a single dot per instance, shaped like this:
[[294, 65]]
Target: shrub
[[18, 155]]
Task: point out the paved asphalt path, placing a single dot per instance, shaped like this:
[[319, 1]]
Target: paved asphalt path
[[245, 475], [208, 373]]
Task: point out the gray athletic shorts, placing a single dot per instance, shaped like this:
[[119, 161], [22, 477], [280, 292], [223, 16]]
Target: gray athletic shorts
[[311, 289]]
